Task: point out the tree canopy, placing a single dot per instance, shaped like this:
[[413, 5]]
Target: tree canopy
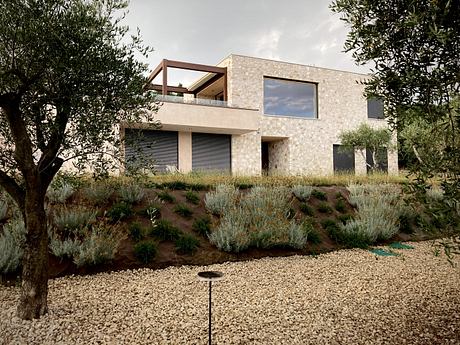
[[68, 79]]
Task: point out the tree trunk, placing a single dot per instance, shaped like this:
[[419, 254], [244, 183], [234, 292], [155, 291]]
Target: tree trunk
[[34, 290]]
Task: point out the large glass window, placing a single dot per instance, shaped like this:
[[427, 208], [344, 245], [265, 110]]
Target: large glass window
[[374, 108], [290, 98]]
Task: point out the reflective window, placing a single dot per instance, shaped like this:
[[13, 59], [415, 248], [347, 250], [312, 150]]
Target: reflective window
[[289, 98], [374, 108]]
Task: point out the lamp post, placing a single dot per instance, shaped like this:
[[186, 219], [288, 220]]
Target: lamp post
[[210, 276]]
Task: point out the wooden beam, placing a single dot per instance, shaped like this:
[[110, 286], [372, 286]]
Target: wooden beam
[[196, 67], [155, 72], [225, 86], [165, 77], [158, 87], [208, 83]]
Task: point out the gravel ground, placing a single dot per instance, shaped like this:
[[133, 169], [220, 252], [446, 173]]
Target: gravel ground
[[345, 297]]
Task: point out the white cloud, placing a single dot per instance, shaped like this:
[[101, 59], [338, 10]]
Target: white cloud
[[266, 45]]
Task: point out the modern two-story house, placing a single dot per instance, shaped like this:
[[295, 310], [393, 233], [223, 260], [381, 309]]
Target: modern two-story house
[[249, 116]]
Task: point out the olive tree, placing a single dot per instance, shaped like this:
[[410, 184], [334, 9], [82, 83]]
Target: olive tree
[[68, 78]]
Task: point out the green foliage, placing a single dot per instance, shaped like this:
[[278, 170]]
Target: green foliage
[[67, 248], [183, 210], [192, 197], [165, 231], [3, 208], [301, 192], [343, 218], [74, 218], [136, 232], [319, 195], [340, 205], [119, 211], [98, 194], [324, 208], [220, 200], [152, 210], [131, 193], [202, 226], [187, 244], [231, 234], [11, 245], [328, 223], [307, 210], [165, 196], [145, 251], [313, 236], [61, 193]]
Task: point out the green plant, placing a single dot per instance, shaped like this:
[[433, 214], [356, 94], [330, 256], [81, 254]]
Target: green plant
[[202, 226], [3, 208], [136, 232], [405, 224], [220, 200], [153, 209], [314, 237], [131, 193], [324, 208], [339, 195], [165, 196], [231, 234], [343, 218], [307, 210], [165, 231], [11, 245], [192, 197], [75, 218], [98, 193], [64, 248], [60, 193], [119, 211], [145, 251], [340, 205], [302, 192], [187, 244], [319, 194], [183, 210], [326, 223]]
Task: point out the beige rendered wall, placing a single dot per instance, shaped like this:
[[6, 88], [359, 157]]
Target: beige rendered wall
[[341, 106]]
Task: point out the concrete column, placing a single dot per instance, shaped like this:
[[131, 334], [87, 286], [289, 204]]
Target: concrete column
[[185, 152]]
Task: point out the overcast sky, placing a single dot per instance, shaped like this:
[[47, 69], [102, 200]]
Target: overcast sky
[[206, 31]]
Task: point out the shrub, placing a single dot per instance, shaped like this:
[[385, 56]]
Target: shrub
[[231, 234], [202, 226], [145, 251], [151, 210], [165, 231], [405, 224], [222, 199], [298, 235], [64, 248], [11, 244], [119, 211], [98, 194], [328, 223], [343, 218], [75, 218], [136, 232], [313, 236], [302, 192], [166, 197], [324, 208], [340, 205], [319, 195], [307, 210], [192, 197], [435, 194], [99, 245], [183, 210], [3, 209], [187, 244], [131, 193], [60, 193]]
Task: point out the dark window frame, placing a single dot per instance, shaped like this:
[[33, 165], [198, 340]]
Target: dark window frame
[[316, 98], [372, 115], [351, 154]]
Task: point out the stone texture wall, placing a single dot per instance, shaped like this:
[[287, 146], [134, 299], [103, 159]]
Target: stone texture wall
[[309, 147], [246, 154]]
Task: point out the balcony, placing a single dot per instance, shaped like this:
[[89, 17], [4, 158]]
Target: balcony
[[192, 100]]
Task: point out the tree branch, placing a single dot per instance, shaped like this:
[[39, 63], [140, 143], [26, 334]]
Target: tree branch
[[12, 188]]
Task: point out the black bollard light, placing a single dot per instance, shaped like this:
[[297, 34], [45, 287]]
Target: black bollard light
[[210, 276]]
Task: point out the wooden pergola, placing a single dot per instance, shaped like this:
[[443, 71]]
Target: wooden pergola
[[164, 88]]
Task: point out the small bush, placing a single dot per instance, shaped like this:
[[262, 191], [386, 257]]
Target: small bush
[[187, 244], [119, 211], [151, 210], [313, 237], [136, 232], [202, 226], [222, 199], [328, 223], [231, 234], [183, 210], [165, 231], [435, 194], [64, 248], [192, 197], [307, 210], [11, 245], [339, 196], [3, 209], [405, 224], [60, 193], [131, 193], [319, 195], [166, 197], [302, 193], [344, 218], [340, 206], [100, 244], [145, 251], [75, 218], [98, 194], [324, 208]]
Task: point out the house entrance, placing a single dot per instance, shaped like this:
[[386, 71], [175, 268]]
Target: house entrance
[[265, 158], [274, 155]]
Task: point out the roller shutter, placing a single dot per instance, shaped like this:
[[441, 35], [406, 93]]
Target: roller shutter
[[211, 152], [344, 161], [146, 146]]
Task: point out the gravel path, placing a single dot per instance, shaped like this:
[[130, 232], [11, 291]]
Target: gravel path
[[345, 297]]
